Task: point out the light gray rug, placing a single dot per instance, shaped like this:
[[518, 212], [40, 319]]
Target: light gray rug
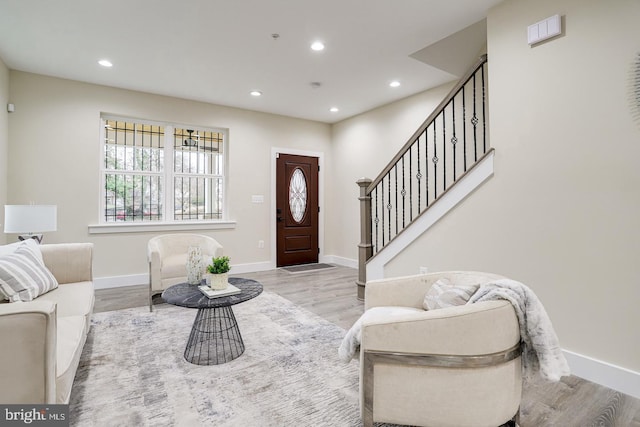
[[132, 371]]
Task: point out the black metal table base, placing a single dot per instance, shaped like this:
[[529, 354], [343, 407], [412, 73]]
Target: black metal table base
[[215, 337]]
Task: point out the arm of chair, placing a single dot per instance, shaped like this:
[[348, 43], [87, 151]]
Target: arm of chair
[[69, 262], [405, 291], [28, 356], [472, 329], [212, 248]]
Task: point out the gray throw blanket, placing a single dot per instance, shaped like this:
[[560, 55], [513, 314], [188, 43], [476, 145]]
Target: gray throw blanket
[[541, 352]]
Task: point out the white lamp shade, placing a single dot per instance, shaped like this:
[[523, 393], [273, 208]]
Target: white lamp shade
[[30, 218]]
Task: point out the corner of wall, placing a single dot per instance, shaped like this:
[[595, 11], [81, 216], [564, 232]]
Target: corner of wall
[[4, 142]]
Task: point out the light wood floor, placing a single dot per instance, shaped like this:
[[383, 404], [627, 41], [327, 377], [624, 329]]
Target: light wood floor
[[330, 293]]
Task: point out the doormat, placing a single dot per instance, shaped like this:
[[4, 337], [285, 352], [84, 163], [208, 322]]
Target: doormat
[[306, 267]]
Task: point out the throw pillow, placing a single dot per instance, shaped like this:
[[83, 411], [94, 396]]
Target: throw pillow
[[445, 294], [12, 247], [23, 275]]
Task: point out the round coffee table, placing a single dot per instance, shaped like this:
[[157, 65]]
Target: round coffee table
[[215, 337]]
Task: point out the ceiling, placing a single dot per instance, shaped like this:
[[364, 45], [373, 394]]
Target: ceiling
[[218, 51]]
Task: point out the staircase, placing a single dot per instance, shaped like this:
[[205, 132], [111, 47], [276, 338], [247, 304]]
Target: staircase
[[441, 164]]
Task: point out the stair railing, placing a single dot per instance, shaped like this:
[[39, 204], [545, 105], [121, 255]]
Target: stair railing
[[447, 145]]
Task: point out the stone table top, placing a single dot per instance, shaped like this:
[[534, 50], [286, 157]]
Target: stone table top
[[186, 295]]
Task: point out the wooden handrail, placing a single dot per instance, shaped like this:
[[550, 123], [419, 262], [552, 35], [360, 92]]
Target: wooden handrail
[[436, 112], [423, 212]]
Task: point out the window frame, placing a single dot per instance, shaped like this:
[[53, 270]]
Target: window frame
[[168, 177]]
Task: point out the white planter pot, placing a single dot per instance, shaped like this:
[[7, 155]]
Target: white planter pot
[[218, 281]]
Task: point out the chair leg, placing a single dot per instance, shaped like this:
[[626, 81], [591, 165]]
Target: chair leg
[[515, 421], [150, 291], [367, 385]]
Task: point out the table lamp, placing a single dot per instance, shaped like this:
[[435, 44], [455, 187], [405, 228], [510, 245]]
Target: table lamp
[[30, 219]]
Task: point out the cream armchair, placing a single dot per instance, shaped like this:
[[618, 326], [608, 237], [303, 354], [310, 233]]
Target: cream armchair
[[457, 366], [167, 255]]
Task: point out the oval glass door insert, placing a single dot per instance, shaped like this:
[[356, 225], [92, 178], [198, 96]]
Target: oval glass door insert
[[298, 195]]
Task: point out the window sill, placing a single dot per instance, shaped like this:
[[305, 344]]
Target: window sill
[[140, 227]]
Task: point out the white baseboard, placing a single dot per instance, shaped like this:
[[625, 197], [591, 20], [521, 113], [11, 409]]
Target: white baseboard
[[143, 279], [345, 262], [614, 377], [120, 281], [251, 267]]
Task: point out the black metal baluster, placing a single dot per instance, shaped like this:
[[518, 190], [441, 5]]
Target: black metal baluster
[[474, 122], [454, 140], [403, 192], [464, 128], [418, 175], [484, 119], [426, 166], [376, 220], [395, 171], [411, 181], [435, 163], [389, 206], [444, 149], [382, 211]]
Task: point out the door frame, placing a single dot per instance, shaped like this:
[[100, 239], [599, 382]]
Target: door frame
[[273, 228]]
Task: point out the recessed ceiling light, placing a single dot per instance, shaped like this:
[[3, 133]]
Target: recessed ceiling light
[[394, 83], [256, 93], [317, 46], [334, 109], [105, 63]]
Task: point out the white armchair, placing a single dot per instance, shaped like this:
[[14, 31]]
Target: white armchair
[[457, 366], [167, 255]]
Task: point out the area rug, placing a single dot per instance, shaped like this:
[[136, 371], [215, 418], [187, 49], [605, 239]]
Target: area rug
[[132, 371]]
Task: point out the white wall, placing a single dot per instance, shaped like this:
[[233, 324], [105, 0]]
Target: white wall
[[55, 150], [561, 213], [4, 141]]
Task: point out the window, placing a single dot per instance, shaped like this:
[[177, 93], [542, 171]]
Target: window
[[155, 172]]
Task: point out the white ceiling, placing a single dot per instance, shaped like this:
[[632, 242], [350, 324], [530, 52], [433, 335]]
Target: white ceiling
[[217, 51]]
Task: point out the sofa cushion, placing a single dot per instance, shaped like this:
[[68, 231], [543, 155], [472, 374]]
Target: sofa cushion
[[73, 299], [445, 294], [23, 275]]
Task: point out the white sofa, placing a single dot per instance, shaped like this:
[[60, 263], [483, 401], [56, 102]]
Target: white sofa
[[42, 340]]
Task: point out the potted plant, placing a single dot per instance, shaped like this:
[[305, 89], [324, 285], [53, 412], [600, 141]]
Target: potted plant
[[218, 272]]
